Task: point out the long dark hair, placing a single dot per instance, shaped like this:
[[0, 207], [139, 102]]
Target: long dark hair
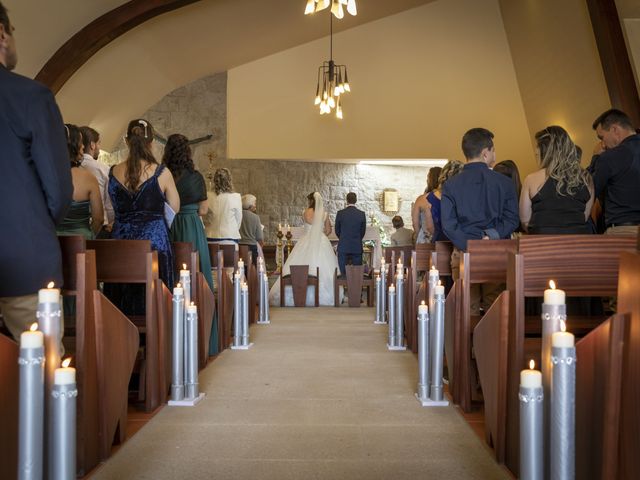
[[510, 169], [74, 144], [139, 138], [177, 155], [312, 201]]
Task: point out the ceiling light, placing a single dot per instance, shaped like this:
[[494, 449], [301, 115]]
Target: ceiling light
[[337, 7]]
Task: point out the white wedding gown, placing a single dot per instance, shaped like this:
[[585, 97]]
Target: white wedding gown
[[313, 249]]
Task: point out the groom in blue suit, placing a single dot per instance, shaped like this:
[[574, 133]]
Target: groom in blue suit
[[351, 225]]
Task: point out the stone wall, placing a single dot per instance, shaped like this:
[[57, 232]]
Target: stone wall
[[200, 109]]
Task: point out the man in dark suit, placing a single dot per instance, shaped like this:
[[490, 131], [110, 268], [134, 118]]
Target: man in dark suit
[[351, 225], [35, 187]]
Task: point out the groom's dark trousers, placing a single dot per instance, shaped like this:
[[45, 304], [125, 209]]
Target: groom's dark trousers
[[351, 225]]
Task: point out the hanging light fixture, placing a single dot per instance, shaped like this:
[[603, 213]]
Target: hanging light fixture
[[333, 82], [337, 7]]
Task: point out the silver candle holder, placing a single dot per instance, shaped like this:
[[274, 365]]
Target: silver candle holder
[[237, 310], [191, 384], [383, 296], [391, 344], [400, 310], [437, 347], [62, 435], [31, 413], [241, 326], [563, 411], [263, 294], [531, 433], [177, 371], [424, 379]]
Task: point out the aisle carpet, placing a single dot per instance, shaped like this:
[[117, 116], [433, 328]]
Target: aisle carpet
[[318, 396]]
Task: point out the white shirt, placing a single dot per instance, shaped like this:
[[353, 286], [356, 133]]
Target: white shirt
[[101, 172], [226, 215]]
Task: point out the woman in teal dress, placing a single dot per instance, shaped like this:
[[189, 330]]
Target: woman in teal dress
[[187, 225], [85, 214]]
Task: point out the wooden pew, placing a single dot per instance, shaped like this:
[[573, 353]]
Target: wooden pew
[[251, 274], [79, 273], [485, 261], [599, 368], [629, 435], [355, 280], [117, 341], [9, 379], [164, 300], [224, 297], [582, 265], [133, 261]]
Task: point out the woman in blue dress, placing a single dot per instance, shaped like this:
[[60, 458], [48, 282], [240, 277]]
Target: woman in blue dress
[[139, 188]]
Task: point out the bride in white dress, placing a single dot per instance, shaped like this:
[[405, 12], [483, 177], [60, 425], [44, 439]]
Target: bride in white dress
[[313, 249]]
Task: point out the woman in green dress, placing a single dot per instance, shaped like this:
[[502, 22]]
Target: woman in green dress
[[85, 214], [187, 225]]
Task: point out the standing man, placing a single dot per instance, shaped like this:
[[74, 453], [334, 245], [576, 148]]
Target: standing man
[[616, 172], [91, 141], [478, 203], [35, 187], [351, 225]]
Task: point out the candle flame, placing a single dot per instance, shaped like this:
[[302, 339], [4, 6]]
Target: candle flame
[[433, 267], [532, 364], [439, 283], [179, 285], [422, 303], [193, 304], [552, 285], [33, 327], [50, 285], [563, 326], [184, 266], [66, 362]]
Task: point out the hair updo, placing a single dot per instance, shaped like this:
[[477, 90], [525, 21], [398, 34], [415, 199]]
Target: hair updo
[[139, 137]]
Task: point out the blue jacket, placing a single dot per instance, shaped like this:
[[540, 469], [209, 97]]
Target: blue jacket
[[351, 225], [35, 185], [478, 202]]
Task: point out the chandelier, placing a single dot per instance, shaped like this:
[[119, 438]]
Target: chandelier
[[332, 82], [336, 7]]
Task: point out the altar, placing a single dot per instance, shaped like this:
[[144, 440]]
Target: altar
[[371, 234]]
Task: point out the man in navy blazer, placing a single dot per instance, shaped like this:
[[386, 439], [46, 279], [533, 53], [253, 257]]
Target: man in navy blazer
[[351, 225], [35, 187]]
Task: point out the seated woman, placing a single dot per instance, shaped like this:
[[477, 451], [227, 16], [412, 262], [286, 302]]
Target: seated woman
[[433, 219], [313, 249], [556, 199], [85, 214], [139, 188], [402, 236]]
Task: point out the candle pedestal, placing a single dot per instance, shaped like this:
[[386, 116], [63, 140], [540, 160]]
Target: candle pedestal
[[279, 251], [242, 323], [31, 414], [531, 433], [192, 396], [289, 238], [264, 299], [562, 416], [380, 314], [399, 317], [383, 297], [552, 316], [177, 370], [62, 435], [423, 354]]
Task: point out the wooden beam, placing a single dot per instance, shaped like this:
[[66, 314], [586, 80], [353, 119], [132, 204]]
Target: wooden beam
[[88, 41], [614, 57]]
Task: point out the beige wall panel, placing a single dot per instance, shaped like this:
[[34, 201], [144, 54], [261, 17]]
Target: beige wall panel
[[557, 65], [632, 32], [419, 80]]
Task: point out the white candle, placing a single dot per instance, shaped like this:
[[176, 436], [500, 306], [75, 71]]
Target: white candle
[[49, 294], [531, 378], [288, 227], [392, 288], [192, 308], [245, 286], [184, 272], [399, 274], [32, 338], [241, 265], [423, 309], [178, 290], [439, 290], [65, 375], [553, 296], [562, 339], [433, 272]]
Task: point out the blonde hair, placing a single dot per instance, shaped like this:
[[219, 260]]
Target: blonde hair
[[452, 168], [560, 158], [222, 181]]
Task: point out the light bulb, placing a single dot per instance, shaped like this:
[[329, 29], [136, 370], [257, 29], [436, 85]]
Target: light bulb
[[317, 100], [347, 87], [337, 10], [336, 91], [351, 7], [325, 94], [311, 4], [339, 112], [332, 102], [341, 87]]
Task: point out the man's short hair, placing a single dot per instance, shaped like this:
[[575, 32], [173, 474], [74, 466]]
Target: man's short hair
[[352, 198], [397, 222], [89, 135], [248, 201], [613, 116], [4, 19], [476, 140]]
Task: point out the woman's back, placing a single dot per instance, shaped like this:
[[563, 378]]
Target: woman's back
[[553, 213]]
